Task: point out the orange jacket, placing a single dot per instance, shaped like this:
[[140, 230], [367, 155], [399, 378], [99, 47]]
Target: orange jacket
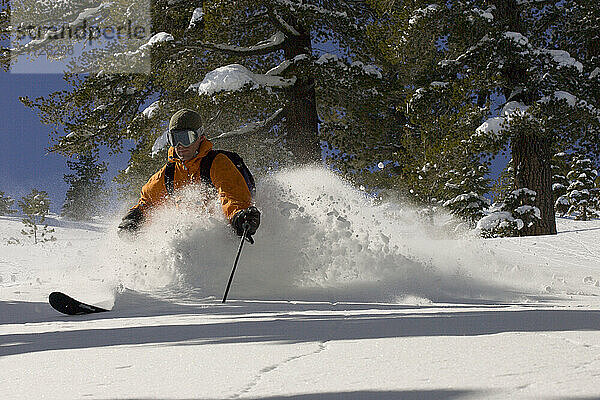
[[233, 190]]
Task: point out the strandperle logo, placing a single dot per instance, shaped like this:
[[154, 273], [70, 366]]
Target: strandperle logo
[[80, 37]]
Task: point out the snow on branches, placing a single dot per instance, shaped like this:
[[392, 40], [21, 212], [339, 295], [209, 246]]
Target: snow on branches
[[150, 111], [197, 16], [422, 12], [513, 109], [302, 6], [272, 43], [144, 50], [234, 77], [332, 59], [563, 59], [495, 125]]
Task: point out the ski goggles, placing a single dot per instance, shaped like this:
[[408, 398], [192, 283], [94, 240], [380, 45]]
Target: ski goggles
[[183, 137]]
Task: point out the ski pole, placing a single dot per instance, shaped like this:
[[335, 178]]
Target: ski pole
[[246, 227]]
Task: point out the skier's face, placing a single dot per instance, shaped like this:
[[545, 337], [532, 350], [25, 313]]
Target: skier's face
[[188, 152]]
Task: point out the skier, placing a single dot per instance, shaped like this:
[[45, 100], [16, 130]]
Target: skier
[[192, 160]]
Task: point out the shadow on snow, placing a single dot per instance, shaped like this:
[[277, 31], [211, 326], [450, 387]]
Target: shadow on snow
[[441, 394], [288, 322]]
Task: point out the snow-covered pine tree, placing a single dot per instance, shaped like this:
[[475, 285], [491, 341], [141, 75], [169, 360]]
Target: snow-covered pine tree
[[560, 183], [6, 203], [534, 92], [36, 206], [87, 194], [465, 189], [582, 191]]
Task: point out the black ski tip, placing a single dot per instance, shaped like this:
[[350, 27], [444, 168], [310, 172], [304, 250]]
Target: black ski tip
[[68, 305]]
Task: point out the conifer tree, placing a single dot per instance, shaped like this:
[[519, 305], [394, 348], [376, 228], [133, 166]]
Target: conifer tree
[[465, 189], [36, 206], [86, 195], [582, 191], [6, 203]]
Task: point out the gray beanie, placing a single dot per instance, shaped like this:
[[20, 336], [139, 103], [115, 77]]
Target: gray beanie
[[185, 119]]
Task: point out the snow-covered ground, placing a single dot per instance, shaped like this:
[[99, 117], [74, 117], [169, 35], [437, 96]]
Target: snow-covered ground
[[340, 298]]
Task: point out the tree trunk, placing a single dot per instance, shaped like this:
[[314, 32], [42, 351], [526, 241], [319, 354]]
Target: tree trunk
[[531, 152], [301, 119], [531, 157]]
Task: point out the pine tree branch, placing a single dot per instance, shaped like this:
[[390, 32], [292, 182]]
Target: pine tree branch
[[537, 2], [284, 65], [274, 43], [281, 23], [463, 57], [254, 127], [295, 6]]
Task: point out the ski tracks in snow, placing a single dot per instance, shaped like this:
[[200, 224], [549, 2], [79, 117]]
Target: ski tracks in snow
[[321, 346]]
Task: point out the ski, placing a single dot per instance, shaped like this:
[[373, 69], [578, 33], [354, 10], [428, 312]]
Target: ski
[[68, 305]]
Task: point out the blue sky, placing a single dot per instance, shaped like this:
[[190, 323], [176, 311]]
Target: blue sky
[[24, 159]]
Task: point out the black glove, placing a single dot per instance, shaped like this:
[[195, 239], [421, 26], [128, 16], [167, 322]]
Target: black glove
[[131, 223], [250, 218]]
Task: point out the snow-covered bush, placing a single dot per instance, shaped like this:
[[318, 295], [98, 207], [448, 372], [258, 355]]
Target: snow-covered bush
[[510, 216]]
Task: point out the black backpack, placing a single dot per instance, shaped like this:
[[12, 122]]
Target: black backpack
[[205, 165]]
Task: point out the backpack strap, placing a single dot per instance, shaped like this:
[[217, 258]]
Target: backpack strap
[[235, 158], [170, 178], [205, 165]]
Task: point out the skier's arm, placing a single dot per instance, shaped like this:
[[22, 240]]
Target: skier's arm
[[233, 190], [152, 192]]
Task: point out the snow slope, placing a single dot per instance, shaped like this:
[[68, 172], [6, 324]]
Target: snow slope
[[340, 298]]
